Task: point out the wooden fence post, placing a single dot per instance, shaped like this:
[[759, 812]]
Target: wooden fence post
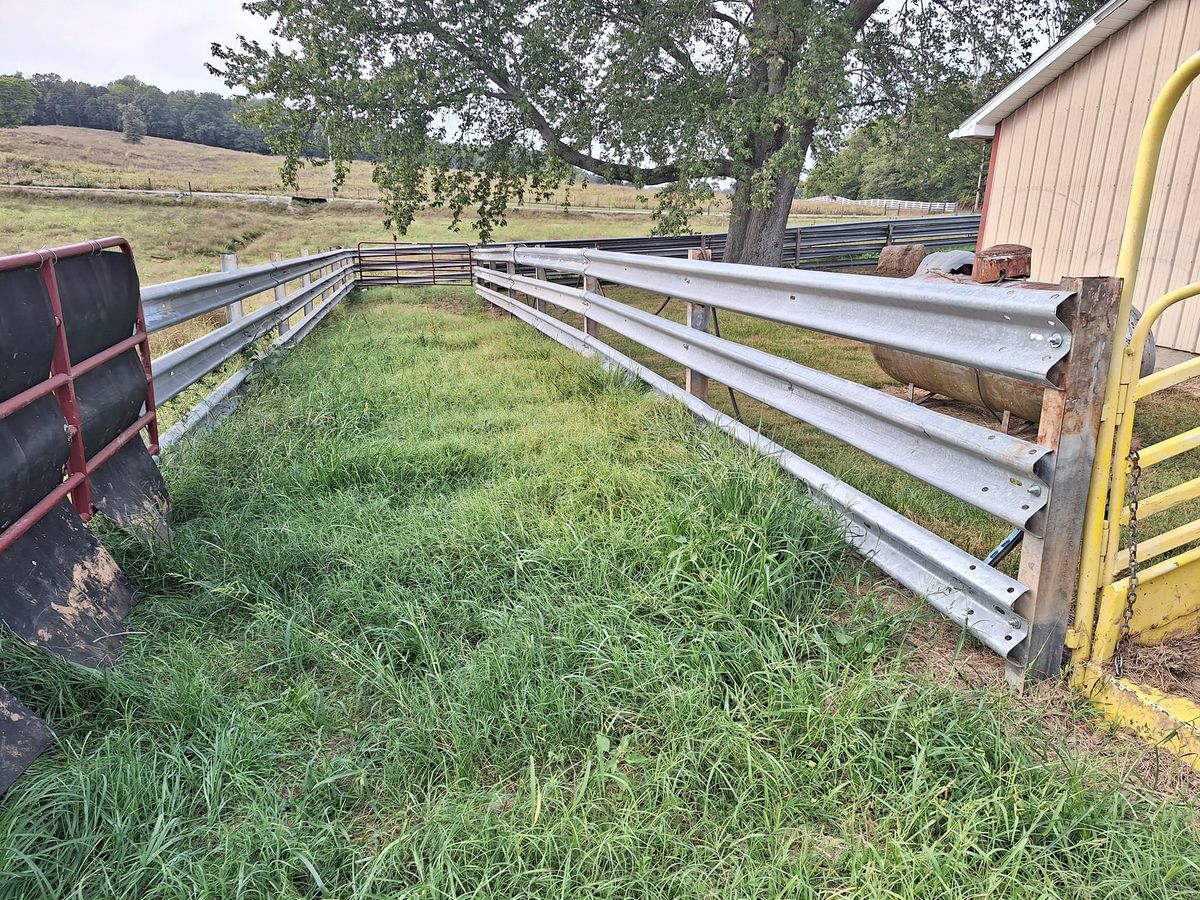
[[281, 294], [1070, 423], [540, 274], [308, 307], [229, 263], [591, 284], [510, 268], [697, 316]]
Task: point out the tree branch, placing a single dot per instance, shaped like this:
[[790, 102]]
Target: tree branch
[[717, 168], [862, 10]]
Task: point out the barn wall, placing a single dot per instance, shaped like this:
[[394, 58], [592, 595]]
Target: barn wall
[[1065, 162]]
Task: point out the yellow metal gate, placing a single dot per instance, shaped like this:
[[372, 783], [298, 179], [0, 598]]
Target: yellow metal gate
[[1134, 589]]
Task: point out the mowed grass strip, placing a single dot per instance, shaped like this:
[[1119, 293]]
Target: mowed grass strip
[[451, 612]]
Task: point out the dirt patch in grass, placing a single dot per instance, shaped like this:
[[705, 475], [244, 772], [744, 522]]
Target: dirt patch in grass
[[1172, 667]]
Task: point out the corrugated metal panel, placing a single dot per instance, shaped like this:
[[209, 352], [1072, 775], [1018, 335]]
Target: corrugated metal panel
[[1065, 53], [1065, 164]]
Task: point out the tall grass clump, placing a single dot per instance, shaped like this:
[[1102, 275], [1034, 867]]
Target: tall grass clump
[[452, 612]]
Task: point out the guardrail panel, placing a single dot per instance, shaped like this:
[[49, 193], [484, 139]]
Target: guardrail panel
[[995, 472], [1012, 332], [964, 589]]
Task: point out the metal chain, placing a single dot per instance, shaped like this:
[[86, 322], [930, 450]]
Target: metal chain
[[1135, 489]]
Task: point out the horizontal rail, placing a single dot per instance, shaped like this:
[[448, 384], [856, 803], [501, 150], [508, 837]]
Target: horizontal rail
[[174, 372], [177, 301], [977, 597], [995, 472], [1015, 332], [1171, 447], [1164, 500], [1166, 378], [1162, 543]]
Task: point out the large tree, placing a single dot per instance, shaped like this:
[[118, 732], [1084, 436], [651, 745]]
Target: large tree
[[909, 156], [18, 100], [677, 93]]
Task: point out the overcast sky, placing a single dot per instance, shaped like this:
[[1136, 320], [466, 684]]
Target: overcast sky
[[163, 42]]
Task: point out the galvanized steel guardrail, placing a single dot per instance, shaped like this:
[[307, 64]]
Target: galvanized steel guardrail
[[976, 597], [998, 473], [178, 301], [1011, 332], [177, 370], [1014, 331], [175, 302]]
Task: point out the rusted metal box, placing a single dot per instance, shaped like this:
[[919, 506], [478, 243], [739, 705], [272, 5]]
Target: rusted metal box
[[1002, 262]]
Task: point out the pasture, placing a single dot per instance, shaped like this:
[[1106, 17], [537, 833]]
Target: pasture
[[509, 626]]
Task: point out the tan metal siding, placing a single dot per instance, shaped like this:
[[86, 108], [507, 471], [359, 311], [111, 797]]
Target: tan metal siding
[[1065, 163]]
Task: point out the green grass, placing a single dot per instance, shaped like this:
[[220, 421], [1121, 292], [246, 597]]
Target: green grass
[[176, 239], [451, 612]]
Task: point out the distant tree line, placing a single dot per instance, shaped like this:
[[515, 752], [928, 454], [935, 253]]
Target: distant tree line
[[200, 117]]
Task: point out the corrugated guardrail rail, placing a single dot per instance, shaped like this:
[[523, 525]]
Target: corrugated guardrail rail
[[326, 279], [382, 263], [1021, 332]]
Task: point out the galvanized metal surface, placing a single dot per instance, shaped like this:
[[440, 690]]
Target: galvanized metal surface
[[1010, 331], [177, 301], [184, 366], [998, 473], [840, 244], [977, 597]]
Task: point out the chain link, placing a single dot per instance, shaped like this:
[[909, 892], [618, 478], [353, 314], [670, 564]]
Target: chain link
[[1135, 490]]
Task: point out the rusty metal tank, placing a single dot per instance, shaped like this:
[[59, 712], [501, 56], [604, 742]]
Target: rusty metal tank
[[996, 393]]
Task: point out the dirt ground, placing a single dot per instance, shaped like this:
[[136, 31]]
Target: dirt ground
[[1172, 667]]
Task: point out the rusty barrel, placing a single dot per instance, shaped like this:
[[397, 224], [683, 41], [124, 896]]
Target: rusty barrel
[[994, 392]]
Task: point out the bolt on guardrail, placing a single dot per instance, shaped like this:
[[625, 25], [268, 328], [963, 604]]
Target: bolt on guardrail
[[1045, 336]]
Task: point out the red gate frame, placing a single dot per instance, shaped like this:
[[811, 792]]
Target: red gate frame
[[62, 384]]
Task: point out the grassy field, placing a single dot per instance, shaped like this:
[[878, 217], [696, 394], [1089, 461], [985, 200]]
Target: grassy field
[[173, 239], [452, 613], [55, 155]]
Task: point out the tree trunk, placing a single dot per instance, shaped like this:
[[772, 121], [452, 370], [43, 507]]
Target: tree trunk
[[757, 234]]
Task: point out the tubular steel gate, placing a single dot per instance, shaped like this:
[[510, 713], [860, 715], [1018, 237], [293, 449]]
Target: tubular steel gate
[[1135, 590], [396, 263]]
